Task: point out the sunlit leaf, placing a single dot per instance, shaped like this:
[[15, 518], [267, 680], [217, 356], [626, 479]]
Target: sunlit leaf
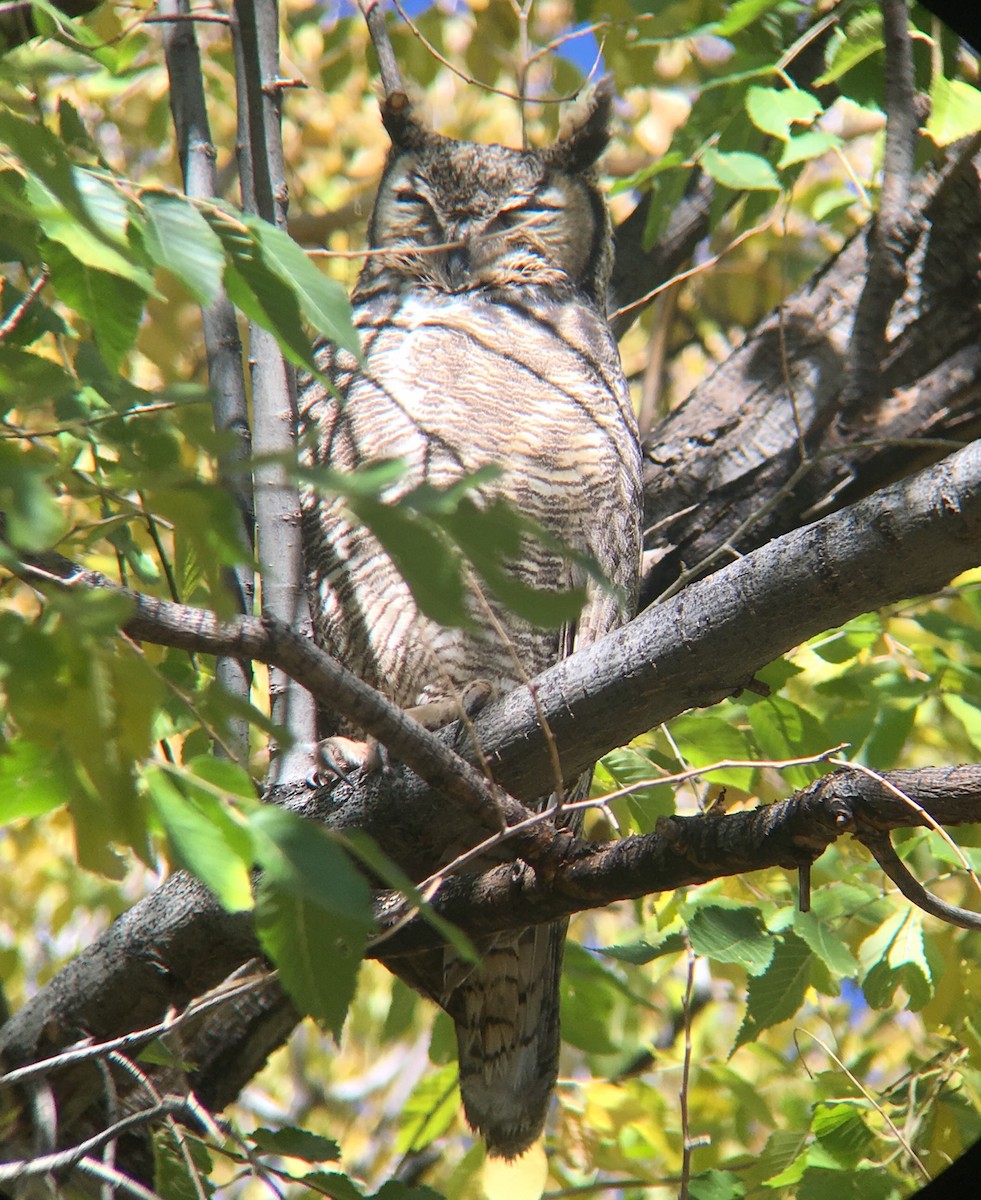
[[842, 1132], [775, 110], [741, 14], [430, 1110], [735, 935], [955, 110], [205, 839], [322, 300], [740, 171], [777, 993], [860, 39], [312, 912], [181, 240]]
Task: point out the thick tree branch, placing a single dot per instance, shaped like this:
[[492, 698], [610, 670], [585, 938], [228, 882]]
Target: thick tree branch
[[686, 851], [705, 643], [756, 449], [697, 648], [178, 943], [890, 236]]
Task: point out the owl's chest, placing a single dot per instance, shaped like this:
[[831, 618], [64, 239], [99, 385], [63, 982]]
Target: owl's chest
[[451, 383]]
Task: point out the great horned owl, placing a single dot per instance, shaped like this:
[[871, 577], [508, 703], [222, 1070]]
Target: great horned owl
[[482, 314]]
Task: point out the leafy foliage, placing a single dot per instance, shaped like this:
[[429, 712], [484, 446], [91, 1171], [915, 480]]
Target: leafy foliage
[[108, 770]]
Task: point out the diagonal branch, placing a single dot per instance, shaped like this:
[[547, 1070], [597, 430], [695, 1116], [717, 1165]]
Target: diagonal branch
[[388, 67], [264, 639]]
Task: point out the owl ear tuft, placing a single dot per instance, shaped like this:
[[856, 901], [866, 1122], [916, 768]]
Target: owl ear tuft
[[585, 132], [406, 130]]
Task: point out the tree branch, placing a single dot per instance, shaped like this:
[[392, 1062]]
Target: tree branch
[[178, 943], [686, 851], [388, 67], [222, 343], [890, 235], [278, 526], [724, 471], [264, 639], [705, 643]]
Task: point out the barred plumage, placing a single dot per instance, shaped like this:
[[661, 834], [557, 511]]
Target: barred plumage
[[492, 348]]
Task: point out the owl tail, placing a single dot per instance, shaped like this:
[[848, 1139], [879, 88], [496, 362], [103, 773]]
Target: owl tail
[[507, 1030]]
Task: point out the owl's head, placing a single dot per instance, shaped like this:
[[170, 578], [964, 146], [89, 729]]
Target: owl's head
[[460, 216]]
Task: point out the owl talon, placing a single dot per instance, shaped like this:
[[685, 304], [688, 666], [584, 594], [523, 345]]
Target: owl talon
[[476, 694], [341, 757], [434, 714]]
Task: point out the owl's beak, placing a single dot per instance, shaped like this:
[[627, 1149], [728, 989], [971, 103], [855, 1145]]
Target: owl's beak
[[458, 264]]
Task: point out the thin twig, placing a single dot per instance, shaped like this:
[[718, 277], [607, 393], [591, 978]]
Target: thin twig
[[686, 1144], [62, 1159], [692, 271], [388, 66], [87, 1049], [20, 309], [872, 1100]]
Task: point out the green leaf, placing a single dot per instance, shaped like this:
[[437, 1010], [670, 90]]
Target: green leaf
[[90, 245], [297, 1143], [35, 520], [173, 1176], [590, 995], [733, 935], [716, 1185], [111, 304], [740, 171], [967, 713], [705, 739], [182, 241], [205, 839], [955, 110], [831, 200], [107, 207], [31, 381], [260, 292], [808, 146], [860, 40], [366, 851], [778, 993], [626, 768], [785, 730], [831, 950], [894, 956], [423, 557], [334, 1184], [430, 1110], [31, 780], [741, 14], [395, 1189], [774, 110], [491, 537], [848, 642], [313, 912], [322, 300], [842, 1132], [645, 951]]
